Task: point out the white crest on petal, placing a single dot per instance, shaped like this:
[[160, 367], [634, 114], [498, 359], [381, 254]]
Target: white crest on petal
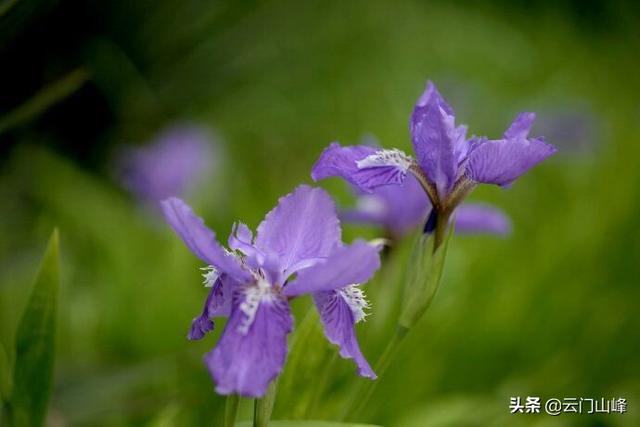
[[380, 242], [254, 295], [393, 158], [209, 276], [232, 253], [356, 300]]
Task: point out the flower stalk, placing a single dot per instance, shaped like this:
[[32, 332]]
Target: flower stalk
[[231, 410], [365, 389], [262, 408], [425, 272], [318, 393]]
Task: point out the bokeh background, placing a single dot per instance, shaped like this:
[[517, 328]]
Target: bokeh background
[[551, 311]]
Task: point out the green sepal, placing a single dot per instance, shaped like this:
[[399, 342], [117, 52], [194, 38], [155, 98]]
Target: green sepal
[[425, 272]]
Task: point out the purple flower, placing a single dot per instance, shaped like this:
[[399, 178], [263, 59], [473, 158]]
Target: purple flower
[[399, 209], [169, 166], [448, 165], [297, 250]]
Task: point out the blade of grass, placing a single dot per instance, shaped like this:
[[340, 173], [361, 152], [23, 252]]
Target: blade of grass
[[35, 342], [45, 98]]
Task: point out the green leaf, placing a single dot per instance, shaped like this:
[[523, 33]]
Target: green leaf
[[35, 341], [306, 424]]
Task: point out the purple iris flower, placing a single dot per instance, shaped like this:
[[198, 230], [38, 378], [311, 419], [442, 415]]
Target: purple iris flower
[[399, 209], [448, 165], [171, 165], [297, 250]]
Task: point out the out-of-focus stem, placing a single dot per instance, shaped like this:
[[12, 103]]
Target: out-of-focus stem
[[366, 389], [263, 407], [426, 267], [319, 389], [231, 410]]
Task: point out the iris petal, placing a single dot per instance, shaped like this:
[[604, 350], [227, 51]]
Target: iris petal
[[304, 225], [521, 126], [248, 357], [480, 218], [439, 145], [355, 263], [216, 304], [338, 318], [364, 167], [400, 208], [502, 161], [200, 240]]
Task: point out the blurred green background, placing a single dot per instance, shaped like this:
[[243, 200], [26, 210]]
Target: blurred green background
[[551, 311]]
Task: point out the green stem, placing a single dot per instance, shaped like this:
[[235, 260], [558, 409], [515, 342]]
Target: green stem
[[319, 389], [231, 410], [365, 389], [424, 276], [262, 408]]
